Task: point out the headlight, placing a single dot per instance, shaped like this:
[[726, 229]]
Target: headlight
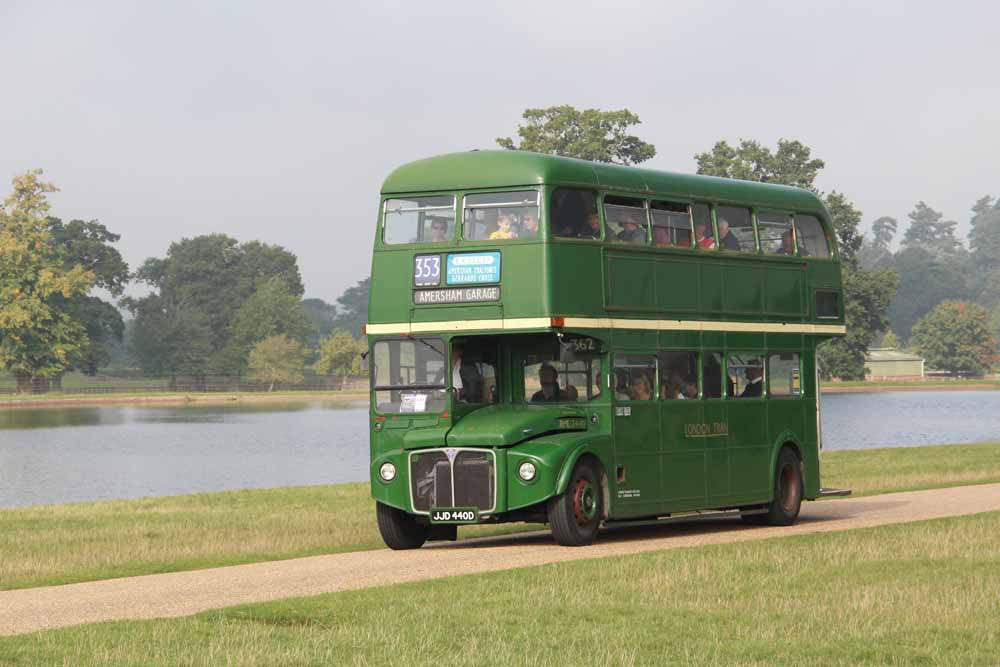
[[526, 471], [387, 472]]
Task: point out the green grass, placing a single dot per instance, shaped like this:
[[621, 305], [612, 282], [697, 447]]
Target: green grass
[[919, 593], [56, 544]]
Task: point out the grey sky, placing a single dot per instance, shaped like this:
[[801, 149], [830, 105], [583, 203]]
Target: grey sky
[[279, 121]]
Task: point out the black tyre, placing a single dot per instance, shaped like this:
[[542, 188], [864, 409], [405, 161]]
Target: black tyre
[[399, 530], [575, 516], [788, 488]]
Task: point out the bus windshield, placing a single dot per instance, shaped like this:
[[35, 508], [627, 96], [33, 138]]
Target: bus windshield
[[408, 375], [549, 380]]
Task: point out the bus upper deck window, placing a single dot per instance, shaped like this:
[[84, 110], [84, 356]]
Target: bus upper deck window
[[574, 214], [735, 229], [671, 224], [419, 220], [810, 236], [776, 234], [626, 219], [500, 216], [704, 233]]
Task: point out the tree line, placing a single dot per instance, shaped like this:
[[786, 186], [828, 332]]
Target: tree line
[[219, 307]]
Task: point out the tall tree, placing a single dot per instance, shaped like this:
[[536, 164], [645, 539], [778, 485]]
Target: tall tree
[[38, 337], [846, 218], [89, 244], [204, 281], [984, 234], [928, 231], [277, 359], [340, 354], [590, 134], [925, 280], [791, 164], [884, 231], [353, 307], [877, 249], [270, 311], [322, 316], [956, 337]]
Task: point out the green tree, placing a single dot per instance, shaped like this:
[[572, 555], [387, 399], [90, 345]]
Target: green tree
[[321, 316], [203, 281], [590, 134], [89, 244], [353, 308], [38, 337], [791, 164], [340, 354], [928, 231], [984, 234], [877, 250], [925, 280], [890, 341], [277, 359], [846, 218], [956, 337], [270, 311]]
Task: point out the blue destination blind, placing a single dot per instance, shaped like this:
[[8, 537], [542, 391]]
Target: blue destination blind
[[473, 268]]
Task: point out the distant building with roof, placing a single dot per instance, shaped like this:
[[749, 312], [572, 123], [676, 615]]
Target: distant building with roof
[[889, 364]]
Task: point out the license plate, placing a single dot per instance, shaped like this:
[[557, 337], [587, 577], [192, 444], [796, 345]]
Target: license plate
[[454, 515]]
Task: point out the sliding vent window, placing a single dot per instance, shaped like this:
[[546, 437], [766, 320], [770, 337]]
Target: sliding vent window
[[776, 234], [671, 224], [419, 220], [501, 216], [735, 229], [784, 374], [626, 219], [812, 240]]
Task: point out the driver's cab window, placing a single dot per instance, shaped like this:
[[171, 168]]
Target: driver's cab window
[[474, 377], [570, 376]]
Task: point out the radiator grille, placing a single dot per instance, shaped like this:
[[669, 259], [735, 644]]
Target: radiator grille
[[453, 478]]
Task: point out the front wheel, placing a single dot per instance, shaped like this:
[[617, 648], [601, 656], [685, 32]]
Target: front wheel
[[784, 509], [575, 516], [399, 530]]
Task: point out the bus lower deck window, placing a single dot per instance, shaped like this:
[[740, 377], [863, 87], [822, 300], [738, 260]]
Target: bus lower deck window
[[746, 375], [784, 374]]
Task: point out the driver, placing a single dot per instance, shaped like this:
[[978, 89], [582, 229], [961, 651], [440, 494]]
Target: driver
[[550, 391]]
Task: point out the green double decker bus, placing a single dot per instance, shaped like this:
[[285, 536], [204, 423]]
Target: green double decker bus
[[558, 341]]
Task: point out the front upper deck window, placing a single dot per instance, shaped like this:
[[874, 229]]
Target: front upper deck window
[[500, 216], [811, 238], [419, 220], [409, 375]]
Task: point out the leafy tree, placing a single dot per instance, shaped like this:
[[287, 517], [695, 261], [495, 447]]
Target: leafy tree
[[890, 340], [591, 134], [270, 311], [846, 218], [867, 295], [277, 359], [38, 337], [877, 250], [791, 164], [884, 231], [321, 316], [929, 232], [956, 337], [353, 307], [340, 354], [203, 281], [925, 280], [89, 244]]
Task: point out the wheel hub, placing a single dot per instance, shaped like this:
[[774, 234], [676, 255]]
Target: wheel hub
[[584, 502]]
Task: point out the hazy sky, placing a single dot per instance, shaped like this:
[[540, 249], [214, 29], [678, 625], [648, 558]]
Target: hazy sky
[[279, 121]]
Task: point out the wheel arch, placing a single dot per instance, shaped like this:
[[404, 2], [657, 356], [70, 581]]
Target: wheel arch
[[787, 440], [594, 451]]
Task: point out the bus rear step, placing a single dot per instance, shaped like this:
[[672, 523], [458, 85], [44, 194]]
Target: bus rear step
[[831, 493]]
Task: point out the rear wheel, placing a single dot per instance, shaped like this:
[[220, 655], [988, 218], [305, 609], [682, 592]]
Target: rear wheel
[[575, 516], [399, 530], [784, 509]]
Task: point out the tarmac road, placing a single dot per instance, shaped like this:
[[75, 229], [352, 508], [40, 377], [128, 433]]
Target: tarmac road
[[185, 593]]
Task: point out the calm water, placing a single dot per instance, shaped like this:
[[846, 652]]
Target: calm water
[[76, 454]]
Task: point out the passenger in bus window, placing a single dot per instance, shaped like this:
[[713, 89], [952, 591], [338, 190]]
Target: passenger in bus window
[[661, 236], [439, 230], [529, 225], [504, 231], [704, 232], [787, 246], [641, 388], [631, 231], [548, 377], [593, 228], [726, 238], [755, 382]]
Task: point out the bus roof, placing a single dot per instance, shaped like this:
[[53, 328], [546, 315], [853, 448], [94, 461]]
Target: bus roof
[[507, 168]]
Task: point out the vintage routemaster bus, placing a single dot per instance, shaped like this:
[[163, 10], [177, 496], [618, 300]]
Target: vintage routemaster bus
[[558, 341]]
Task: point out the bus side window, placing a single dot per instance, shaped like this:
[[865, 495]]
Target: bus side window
[[574, 214], [711, 375], [784, 374], [626, 219], [634, 377], [812, 240], [735, 229], [746, 375], [704, 234], [776, 234], [678, 375], [671, 224]]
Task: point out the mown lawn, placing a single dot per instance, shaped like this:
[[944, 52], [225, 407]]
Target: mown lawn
[[919, 593], [86, 541]]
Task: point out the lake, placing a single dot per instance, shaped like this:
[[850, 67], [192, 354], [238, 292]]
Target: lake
[[97, 453]]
